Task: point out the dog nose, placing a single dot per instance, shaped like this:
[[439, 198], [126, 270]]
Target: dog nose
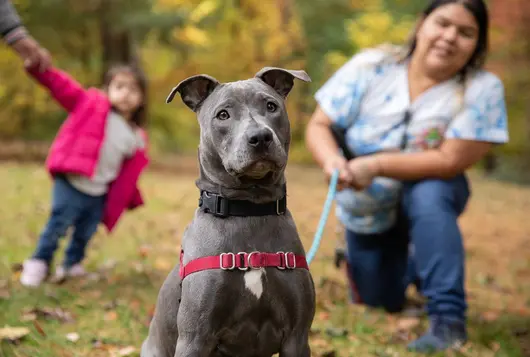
[[259, 138]]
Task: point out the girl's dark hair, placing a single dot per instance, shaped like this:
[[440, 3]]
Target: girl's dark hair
[[139, 117], [480, 12]]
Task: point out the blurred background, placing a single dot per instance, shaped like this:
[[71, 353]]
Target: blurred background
[[231, 40]]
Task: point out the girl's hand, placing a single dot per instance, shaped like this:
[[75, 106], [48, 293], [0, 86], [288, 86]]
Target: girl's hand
[[338, 162], [32, 53], [363, 170]]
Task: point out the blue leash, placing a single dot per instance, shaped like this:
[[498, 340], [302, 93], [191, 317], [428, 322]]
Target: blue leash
[[332, 190]]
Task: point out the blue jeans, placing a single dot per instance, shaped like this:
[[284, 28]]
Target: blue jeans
[[70, 208], [379, 265]]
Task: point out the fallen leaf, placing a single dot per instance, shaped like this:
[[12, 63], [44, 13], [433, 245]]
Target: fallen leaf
[[39, 328], [490, 316], [323, 315], [49, 313], [94, 277], [72, 337], [126, 351], [111, 316], [28, 316], [138, 267], [353, 338], [523, 311], [407, 323], [144, 251], [495, 346], [13, 334], [319, 342], [109, 265], [95, 294], [135, 305], [162, 264]]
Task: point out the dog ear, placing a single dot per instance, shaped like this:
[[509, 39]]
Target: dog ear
[[194, 90], [282, 80]]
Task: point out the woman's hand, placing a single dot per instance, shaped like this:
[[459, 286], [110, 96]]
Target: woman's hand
[[362, 171], [338, 162], [32, 53]]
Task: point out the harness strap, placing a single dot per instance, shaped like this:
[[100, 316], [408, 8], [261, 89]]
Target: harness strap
[[243, 261]]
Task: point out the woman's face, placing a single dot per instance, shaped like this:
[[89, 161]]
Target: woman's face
[[446, 39]]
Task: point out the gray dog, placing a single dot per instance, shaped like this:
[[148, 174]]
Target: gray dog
[[242, 288]]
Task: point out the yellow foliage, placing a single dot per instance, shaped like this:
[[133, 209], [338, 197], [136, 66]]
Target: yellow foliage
[[335, 60], [158, 60], [21, 4], [192, 35], [162, 5], [249, 37], [376, 26], [20, 88], [204, 9]]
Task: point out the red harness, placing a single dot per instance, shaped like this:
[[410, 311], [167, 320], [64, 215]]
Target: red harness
[[243, 261]]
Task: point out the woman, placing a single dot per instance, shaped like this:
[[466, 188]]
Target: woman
[[415, 123]]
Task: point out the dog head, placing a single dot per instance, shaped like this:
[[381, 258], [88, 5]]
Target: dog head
[[245, 129]]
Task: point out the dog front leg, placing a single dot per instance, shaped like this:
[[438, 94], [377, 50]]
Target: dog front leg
[[188, 346], [296, 346], [163, 332]]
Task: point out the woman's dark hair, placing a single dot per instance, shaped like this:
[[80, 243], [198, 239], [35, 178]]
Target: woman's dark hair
[[139, 116], [480, 12]]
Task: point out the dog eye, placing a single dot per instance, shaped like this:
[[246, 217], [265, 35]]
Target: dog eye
[[271, 107], [223, 115]]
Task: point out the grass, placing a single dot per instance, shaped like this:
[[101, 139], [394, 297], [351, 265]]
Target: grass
[[110, 311]]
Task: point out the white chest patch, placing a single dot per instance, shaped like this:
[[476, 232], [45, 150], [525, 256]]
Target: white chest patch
[[253, 281]]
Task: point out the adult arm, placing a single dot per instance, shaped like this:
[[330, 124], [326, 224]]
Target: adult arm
[[15, 35], [9, 19], [319, 139], [339, 100], [453, 157], [475, 130]]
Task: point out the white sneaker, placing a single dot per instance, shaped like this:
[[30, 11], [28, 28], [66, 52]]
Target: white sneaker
[[76, 271], [61, 273], [34, 272]]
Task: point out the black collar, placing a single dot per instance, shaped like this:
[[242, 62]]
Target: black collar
[[223, 207]]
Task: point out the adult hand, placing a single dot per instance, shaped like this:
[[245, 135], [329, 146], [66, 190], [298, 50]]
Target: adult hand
[[340, 163], [32, 53], [363, 170]]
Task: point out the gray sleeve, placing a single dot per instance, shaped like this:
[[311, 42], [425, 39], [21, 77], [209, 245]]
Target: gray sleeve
[[9, 18]]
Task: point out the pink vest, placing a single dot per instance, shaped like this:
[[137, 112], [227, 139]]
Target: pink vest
[[77, 144]]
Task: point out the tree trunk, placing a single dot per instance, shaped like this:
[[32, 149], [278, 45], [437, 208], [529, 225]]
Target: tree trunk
[[117, 44]]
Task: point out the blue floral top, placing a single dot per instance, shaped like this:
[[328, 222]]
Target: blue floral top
[[369, 97]]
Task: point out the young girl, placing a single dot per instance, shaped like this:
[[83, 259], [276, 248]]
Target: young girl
[[95, 161]]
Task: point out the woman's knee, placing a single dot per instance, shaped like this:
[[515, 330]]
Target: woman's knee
[[436, 196], [373, 280]]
